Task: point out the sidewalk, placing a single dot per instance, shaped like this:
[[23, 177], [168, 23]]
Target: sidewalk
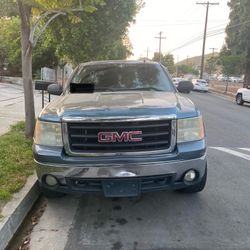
[[12, 105], [15, 211]]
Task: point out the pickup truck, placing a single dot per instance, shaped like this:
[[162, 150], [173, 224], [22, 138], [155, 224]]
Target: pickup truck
[[120, 128]]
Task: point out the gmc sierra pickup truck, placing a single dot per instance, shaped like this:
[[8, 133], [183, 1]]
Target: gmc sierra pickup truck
[[120, 128]]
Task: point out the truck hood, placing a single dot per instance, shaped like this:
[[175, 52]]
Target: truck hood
[[125, 104]]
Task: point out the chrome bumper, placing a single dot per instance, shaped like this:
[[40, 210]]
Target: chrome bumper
[[178, 168]]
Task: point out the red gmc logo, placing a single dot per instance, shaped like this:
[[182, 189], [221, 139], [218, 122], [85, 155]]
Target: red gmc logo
[[131, 136]]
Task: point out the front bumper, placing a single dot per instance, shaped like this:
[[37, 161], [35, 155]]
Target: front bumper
[[91, 174]]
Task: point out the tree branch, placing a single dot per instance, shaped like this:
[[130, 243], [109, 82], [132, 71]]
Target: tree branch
[[34, 27], [33, 40], [45, 26]]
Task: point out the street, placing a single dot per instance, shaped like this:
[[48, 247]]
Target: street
[[217, 218]]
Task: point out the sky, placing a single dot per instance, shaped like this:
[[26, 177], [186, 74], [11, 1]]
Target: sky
[[180, 22]]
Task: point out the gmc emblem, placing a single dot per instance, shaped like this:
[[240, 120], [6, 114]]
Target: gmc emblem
[[130, 136]]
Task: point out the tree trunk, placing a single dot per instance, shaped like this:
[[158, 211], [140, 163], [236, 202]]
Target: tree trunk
[[25, 13], [28, 93]]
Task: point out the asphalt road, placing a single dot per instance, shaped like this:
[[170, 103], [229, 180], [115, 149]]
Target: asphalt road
[[217, 218]]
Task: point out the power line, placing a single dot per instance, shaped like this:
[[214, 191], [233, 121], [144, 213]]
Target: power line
[[157, 23], [160, 38], [205, 35], [209, 34]]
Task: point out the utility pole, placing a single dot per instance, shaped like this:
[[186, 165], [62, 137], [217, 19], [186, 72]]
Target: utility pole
[[205, 35], [147, 51], [160, 38], [177, 65], [213, 49]]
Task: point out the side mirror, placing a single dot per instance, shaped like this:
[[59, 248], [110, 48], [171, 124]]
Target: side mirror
[[185, 86], [42, 85], [248, 87], [55, 89]]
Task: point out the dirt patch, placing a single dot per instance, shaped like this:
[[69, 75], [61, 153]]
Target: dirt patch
[[222, 88]]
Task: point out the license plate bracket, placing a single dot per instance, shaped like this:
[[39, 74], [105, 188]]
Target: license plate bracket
[[121, 188]]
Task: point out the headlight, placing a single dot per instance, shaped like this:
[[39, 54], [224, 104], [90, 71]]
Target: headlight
[[190, 129], [48, 134]]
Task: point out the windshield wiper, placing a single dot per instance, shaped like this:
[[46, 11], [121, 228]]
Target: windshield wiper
[[147, 88]]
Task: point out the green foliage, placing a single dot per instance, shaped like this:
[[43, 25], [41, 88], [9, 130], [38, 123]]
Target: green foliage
[[16, 161], [167, 60], [238, 33], [231, 65], [8, 8], [44, 55], [10, 45], [10, 49], [238, 30], [99, 36], [211, 64], [187, 69]]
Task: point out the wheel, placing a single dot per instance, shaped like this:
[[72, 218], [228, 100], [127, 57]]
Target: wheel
[[239, 99], [198, 187], [51, 193]]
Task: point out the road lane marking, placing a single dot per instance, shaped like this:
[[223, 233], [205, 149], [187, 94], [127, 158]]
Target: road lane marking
[[245, 149], [233, 152]]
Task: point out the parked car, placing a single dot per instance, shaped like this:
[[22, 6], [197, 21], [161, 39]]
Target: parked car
[[243, 95], [222, 78], [235, 79], [120, 128], [200, 85]]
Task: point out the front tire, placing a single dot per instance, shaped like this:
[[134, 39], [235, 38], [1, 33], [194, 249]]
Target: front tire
[[198, 187], [239, 99]]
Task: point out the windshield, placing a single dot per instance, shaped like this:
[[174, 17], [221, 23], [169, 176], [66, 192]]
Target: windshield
[[122, 77]]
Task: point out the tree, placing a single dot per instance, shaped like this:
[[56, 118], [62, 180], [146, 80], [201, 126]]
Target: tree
[[10, 50], [44, 54], [99, 36], [210, 65], [238, 32], [167, 60], [231, 65], [42, 12], [187, 69]]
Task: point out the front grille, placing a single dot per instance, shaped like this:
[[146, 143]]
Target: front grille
[[83, 136], [147, 183]]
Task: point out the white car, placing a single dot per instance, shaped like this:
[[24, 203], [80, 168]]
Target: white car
[[200, 85], [243, 95]]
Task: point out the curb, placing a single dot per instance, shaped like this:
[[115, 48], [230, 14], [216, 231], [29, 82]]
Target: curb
[[15, 211], [225, 96]]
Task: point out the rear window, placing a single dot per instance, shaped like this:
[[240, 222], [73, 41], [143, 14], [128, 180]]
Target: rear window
[[122, 77], [201, 81]]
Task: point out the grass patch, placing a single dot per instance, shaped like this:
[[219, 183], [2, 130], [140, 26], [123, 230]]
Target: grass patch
[[16, 161]]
